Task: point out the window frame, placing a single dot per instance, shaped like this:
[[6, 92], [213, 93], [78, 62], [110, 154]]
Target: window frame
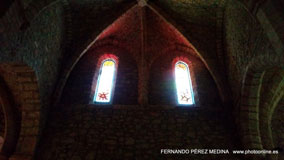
[[191, 70], [97, 77]]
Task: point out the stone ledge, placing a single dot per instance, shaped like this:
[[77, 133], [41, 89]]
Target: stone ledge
[[139, 107]]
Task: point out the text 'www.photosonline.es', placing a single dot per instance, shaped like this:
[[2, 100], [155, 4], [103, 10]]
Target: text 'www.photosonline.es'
[[217, 151]]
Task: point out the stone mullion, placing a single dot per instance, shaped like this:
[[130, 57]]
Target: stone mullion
[[143, 85]]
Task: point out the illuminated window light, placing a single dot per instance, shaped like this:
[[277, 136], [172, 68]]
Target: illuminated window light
[[105, 82], [183, 84]]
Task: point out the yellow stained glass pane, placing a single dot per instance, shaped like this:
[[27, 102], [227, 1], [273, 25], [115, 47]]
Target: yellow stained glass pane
[[105, 82], [108, 63], [181, 66]]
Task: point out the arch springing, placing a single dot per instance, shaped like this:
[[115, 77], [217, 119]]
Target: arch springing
[[184, 90]]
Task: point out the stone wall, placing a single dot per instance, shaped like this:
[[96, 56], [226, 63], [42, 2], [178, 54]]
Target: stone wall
[[144, 36], [254, 60], [161, 87], [125, 130], [131, 132], [40, 48], [121, 131]]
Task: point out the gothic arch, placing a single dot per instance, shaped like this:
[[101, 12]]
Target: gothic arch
[[255, 116], [210, 63], [82, 50]]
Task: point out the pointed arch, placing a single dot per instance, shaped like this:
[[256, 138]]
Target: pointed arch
[[82, 50]]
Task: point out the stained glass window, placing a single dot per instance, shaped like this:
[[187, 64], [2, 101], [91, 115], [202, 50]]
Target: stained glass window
[[105, 81], [183, 84]]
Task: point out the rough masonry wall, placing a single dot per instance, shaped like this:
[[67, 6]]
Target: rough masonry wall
[[129, 132]]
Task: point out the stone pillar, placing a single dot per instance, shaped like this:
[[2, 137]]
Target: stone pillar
[[143, 69], [143, 85]]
